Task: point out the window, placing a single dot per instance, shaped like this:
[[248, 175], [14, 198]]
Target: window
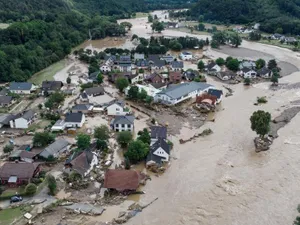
[[117, 125], [117, 109], [123, 125], [129, 125]]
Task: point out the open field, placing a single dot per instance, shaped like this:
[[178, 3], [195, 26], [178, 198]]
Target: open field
[[48, 73], [141, 14], [7, 216]]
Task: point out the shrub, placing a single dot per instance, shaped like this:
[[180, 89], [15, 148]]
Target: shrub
[[262, 100], [8, 148], [51, 184], [30, 189]]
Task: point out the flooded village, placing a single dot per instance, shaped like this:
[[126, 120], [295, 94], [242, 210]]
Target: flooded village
[[153, 138]]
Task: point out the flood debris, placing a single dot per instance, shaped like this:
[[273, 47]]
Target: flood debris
[[202, 134], [86, 209]]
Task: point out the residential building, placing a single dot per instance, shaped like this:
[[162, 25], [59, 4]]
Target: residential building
[[105, 68], [93, 77], [50, 87], [206, 99], [212, 68], [151, 91], [247, 64], [135, 78], [82, 108], [190, 74], [247, 73], [167, 58], [6, 101], [5, 119], [22, 155], [175, 77], [139, 56], [289, 40], [22, 120], [156, 64], [125, 65], [15, 174], [91, 92], [159, 153], [3, 92], [122, 180], [22, 87], [155, 78], [177, 93], [72, 120], [226, 75], [55, 149], [158, 86], [264, 72], [176, 66], [276, 36], [117, 108], [81, 162], [122, 123], [158, 132], [142, 64], [216, 93], [172, 25], [186, 55]]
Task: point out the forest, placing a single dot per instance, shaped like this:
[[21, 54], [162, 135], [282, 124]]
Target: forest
[[274, 15]]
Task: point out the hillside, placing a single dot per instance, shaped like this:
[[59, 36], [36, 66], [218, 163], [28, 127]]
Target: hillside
[[274, 15]]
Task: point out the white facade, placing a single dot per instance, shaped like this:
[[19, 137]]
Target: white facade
[[123, 127], [151, 91], [161, 152], [125, 68], [250, 74], [138, 56], [116, 110], [20, 123], [61, 124], [105, 69], [138, 78], [186, 56]]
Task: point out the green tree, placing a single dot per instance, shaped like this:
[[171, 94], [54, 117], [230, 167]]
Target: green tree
[[150, 18], [68, 80], [8, 148], [235, 39], [126, 24], [272, 64], [201, 65], [42, 139], [83, 141], [220, 61], [100, 78], [260, 122], [123, 138], [233, 64], [122, 83], [101, 144], [260, 63], [158, 26], [254, 36], [274, 79], [247, 81], [30, 189], [297, 220], [101, 132], [214, 44], [133, 92], [144, 136], [220, 37], [197, 79], [137, 151], [149, 99], [51, 184], [40, 106], [134, 37], [201, 27], [201, 19], [142, 95]]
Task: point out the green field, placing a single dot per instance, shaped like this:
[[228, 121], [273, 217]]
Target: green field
[[48, 73], [4, 25], [141, 14], [7, 216]]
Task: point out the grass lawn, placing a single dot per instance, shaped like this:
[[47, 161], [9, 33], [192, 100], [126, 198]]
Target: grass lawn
[[276, 43], [13, 191], [4, 25], [141, 14], [48, 73], [7, 216]]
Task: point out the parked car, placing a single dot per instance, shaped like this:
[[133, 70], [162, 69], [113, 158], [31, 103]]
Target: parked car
[[16, 198]]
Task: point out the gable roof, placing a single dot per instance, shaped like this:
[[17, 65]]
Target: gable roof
[[122, 180], [155, 158], [125, 58], [3, 92], [81, 161], [81, 107], [118, 102], [123, 120], [15, 86], [28, 114], [74, 117], [158, 132], [215, 92], [5, 118], [142, 63], [54, 148], [158, 85], [245, 69], [211, 65], [51, 85], [264, 71], [152, 76], [177, 64], [175, 76], [175, 91], [157, 62], [94, 90], [20, 170], [5, 99]]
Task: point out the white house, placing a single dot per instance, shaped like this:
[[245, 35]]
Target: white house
[[247, 73], [72, 120], [177, 93], [105, 68], [117, 108], [135, 78], [264, 72], [213, 67], [186, 55], [122, 123], [138, 56], [151, 91], [22, 120], [125, 66], [216, 93], [21, 87]]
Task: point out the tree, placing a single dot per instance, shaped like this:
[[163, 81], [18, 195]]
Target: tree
[[101, 144], [100, 78], [197, 79], [233, 64], [134, 37], [122, 83], [133, 92], [101, 132], [297, 220], [127, 164], [126, 24], [137, 151], [272, 64], [40, 106], [214, 44], [260, 122], [149, 99], [144, 136], [254, 36], [228, 59], [68, 80], [158, 26], [207, 41], [220, 61], [42, 139], [201, 65], [155, 17], [219, 37], [201, 19], [30, 189], [235, 39], [124, 138], [83, 141], [51, 184], [260, 63], [274, 79], [201, 27], [8, 148], [247, 81], [150, 18], [142, 95]]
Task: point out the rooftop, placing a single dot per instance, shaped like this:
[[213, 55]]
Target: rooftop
[[14, 86], [21, 170], [74, 117], [54, 148], [52, 85], [123, 120], [94, 90], [5, 99], [158, 132], [177, 64]]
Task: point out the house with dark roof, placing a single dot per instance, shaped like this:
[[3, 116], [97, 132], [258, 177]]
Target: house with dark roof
[[264, 72], [216, 93], [212, 68], [122, 180], [15, 174], [246, 72], [158, 132], [226, 75], [156, 64], [55, 149], [175, 77], [176, 66], [159, 153], [72, 120], [93, 77], [159, 86], [5, 119], [81, 162], [122, 123], [50, 87], [6, 101], [177, 93], [21, 87], [155, 78], [91, 92], [82, 108], [22, 120], [23, 155], [142, 64], [3, 92], [117, 108], [190, 74], [167, 58]]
